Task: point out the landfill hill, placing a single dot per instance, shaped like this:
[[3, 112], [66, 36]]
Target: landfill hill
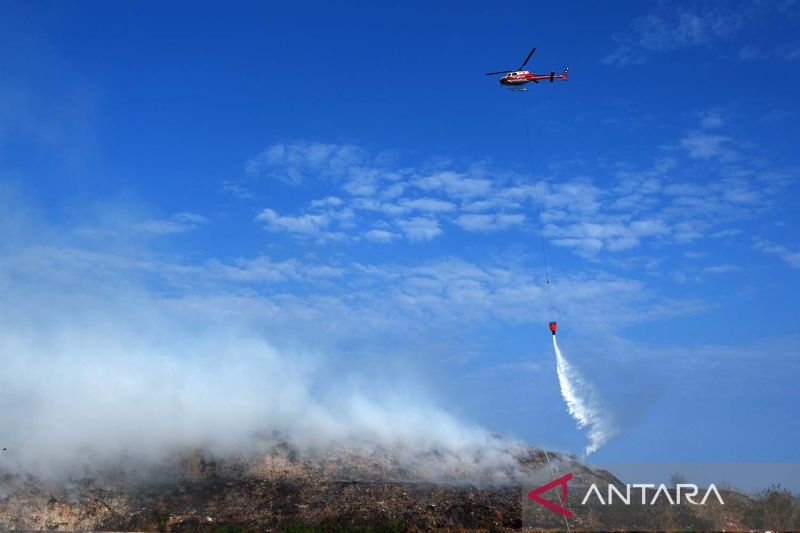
[[282, 489]]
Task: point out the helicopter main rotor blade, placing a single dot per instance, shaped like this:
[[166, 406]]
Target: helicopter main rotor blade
[[499, 72], [527, 58]]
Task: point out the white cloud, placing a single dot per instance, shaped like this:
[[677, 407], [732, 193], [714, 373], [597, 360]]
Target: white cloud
[[671, 27], [682, 28], [742, 193], [380, 235], [625, 54], [694, 255], [500, 221], [324, 272], [790, 52], [752, 53], [328, 201], [731, 232], [260, 269], [590, 237], [371, 204], [378, 195], [706, 181], [420, 228], [298, 162], [584, 246], [430, 205], [302, 224], [574, 197], [791, 257], [455, 184], [721, 269], [126, 225], [678, 200], [263, 269], [711, 119], [237, 189], [342, 299], [702, 145], [689, 230]]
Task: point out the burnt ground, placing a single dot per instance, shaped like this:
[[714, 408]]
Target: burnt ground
[[259, 505], [280, 491]]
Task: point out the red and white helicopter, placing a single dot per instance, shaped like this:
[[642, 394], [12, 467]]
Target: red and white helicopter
[[514, 79]]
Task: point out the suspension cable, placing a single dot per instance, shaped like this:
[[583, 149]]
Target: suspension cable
[[538, 204], [551, 307]]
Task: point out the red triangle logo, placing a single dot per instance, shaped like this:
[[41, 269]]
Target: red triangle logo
[[562, 482]]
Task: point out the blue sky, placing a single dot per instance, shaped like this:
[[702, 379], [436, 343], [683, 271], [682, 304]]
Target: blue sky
[[345, 179]]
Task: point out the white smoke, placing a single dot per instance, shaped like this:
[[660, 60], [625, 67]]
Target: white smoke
[[88, 380], [583, 403], [100, 367], [112, 352]]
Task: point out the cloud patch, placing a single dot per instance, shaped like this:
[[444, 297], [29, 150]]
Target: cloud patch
[[789, 256], [674, 27]]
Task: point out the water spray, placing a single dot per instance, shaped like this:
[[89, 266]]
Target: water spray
[[583, 404]]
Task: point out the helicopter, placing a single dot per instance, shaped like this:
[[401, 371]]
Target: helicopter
[[514, 79]]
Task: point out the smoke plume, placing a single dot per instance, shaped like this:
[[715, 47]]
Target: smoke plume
[[583, 403], [89, 379], [103, 367]]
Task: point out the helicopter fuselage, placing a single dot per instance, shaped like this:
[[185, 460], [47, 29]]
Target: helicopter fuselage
[[522, 77]]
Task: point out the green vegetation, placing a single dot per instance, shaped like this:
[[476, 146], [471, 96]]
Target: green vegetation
[[777, 509]]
